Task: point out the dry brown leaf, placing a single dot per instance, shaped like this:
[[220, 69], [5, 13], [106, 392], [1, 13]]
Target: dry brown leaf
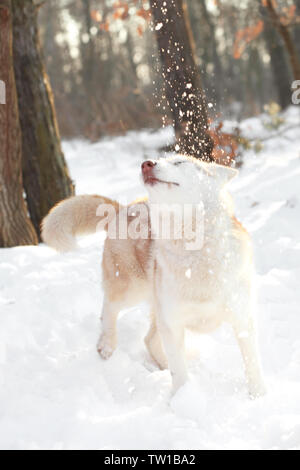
[[245, 36]]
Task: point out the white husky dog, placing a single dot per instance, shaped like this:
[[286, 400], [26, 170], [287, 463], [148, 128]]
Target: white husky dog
[[187, 284]]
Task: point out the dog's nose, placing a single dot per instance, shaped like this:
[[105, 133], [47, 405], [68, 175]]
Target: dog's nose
[[148, 165]]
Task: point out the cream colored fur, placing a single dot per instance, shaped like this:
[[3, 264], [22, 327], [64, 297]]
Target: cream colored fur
[[196, 289], [72, 217]]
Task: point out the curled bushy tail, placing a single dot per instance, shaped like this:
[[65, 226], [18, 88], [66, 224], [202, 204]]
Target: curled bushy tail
[[72, 217]]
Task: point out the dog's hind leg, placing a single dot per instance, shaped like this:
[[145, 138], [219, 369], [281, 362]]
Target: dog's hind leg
[[154, 345], [108, 339]]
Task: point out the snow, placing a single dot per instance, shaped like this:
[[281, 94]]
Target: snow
[[158, 26], [57, 393]]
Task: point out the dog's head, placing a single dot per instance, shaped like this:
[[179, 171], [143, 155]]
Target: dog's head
[[180, 179]]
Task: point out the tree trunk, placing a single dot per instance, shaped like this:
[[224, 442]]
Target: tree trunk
[[88, 53], [286, 37], [45, 174], [202, 43], [15, 226], [297, 27], [279, 65], [218, 79], [182, 81]]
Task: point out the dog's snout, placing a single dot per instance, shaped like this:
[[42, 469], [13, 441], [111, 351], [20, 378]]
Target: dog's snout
[[148, 165]]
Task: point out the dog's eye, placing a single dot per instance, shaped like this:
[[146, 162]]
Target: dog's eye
[[177, 163]]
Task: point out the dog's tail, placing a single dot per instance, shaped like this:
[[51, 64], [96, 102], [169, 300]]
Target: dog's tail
[[76, 216]]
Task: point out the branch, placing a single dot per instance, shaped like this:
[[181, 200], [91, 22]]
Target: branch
[[278, 133], [40, 4]]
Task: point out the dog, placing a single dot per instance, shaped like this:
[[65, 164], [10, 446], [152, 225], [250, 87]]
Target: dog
[[194, 279]]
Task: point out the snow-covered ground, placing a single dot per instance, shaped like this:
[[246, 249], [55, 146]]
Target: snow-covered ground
[[56, 392]]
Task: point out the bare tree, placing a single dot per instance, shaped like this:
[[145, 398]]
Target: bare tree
[[286, 36], [297, 26], [45, 174], [183, 86], [15, 226], [278, 61]]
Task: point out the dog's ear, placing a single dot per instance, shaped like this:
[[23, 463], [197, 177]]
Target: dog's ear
[[223, 173], [226, 173]]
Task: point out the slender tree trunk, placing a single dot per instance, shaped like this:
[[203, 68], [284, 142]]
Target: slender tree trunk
[[279, 66], [88, 50], [45, 174], [182, 81], [130, 53], [297, 26], [286, 37], [15, 226]]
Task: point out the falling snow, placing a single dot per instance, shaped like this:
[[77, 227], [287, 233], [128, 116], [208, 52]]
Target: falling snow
[[188, 273]]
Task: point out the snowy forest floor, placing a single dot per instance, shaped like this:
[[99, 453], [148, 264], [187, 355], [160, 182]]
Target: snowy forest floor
[[57, 393]]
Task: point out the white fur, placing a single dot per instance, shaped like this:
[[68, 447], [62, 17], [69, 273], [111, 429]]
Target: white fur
[[219, 286]]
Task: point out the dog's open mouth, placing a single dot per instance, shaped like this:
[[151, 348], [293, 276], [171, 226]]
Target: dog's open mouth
[[152, 181]]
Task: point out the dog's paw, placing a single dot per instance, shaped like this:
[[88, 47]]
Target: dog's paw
[[257, 390], [160, 362], [178, 381], [106, 347]]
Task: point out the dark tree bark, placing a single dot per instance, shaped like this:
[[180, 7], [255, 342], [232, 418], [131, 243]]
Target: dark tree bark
[[279, 66], [15, 226], [218, 79], [183, 87], [202, 42], [287, 38], [297, 27], [45, 174]]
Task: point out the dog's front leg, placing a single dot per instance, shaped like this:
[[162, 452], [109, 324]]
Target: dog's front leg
[[248, 345], [173, 342], [154, 344], [108, 339], [241, 307]]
